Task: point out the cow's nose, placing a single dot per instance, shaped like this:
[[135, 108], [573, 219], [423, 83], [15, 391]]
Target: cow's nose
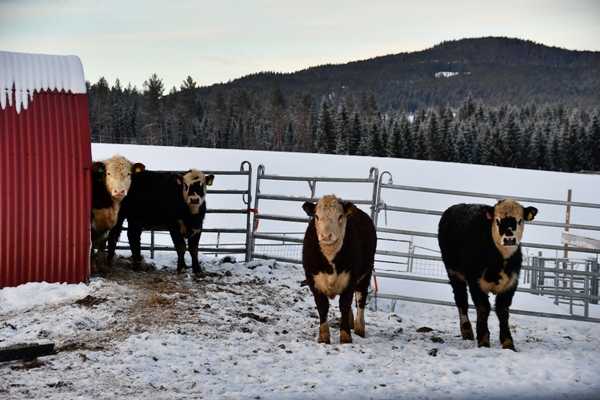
[[195, 200], [326, 235], [119, 192]]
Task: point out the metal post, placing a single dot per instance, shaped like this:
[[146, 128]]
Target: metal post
[[374, 174], [152, 245], [248, 208], [259, 173]]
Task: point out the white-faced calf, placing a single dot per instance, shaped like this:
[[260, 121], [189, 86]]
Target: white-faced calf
[[338, 255], [481, 248], [111, 180]]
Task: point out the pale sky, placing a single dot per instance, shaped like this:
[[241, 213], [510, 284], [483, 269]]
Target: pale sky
[[221, 40]]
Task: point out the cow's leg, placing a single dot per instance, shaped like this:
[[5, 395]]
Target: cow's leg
[[322, 303], [93, 266], [459, 287], [113, 238], [482, 304], [179, 242], [362, 291], [503, 302], [101, 263], [193, 249], [345, 309], [134, 235]]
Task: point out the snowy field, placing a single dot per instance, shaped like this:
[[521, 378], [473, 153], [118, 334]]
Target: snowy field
[[248, 330]]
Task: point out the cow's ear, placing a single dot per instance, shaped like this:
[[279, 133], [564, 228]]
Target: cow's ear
[[179, 179], [488, 212], [98, 167], [209, 179], [309, 208], [138, 167], [347, 206], [529, 213]]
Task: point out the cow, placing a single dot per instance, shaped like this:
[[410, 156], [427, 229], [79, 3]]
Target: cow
[[164, 201], [338, 255], [481, 248], [111, 180]]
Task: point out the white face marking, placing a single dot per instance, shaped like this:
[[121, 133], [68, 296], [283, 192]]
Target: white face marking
[[331, 284], [194, 190], [118, 176], [507, 227], [330, 223], [505, 283]]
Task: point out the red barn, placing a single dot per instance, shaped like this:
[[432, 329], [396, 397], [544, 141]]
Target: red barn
[[45, 160]]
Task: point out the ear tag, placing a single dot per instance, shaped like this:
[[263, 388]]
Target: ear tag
[[209, 182], [101, 170], [138, 169], [529, 216]]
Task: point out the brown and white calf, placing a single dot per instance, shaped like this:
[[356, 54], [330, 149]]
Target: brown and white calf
[[481, 248], [338, 255], [111, 180]]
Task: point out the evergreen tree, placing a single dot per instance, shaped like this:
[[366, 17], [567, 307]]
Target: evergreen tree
[[153, 92], [374, 143], [342, 128], [594, 141], [394, 141], [276, 108], [355, 134], [512, 147], [325, 133]]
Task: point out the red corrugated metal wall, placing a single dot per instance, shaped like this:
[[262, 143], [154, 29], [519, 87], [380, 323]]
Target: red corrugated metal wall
[[45, 199]]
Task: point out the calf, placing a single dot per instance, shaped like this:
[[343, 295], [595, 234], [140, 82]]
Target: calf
[[338, 255], [111, 180], [164, 201], [481, 248]]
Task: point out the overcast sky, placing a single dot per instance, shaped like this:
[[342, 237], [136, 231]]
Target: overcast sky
[[221, 40]]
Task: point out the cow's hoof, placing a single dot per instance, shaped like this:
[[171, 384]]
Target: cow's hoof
[[468, 335], [324, 334], [345, 337], [360, 332], [483, 343], [199, 274], [137, 266], [508, 344]]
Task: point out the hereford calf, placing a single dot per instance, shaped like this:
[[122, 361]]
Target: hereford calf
[[164, 201], [111, 180], [481, 248], [338, 255]]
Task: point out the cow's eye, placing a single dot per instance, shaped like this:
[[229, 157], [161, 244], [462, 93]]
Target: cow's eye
[[185, 186], [316, 217], [520, 221], [497, 222], [340, 218]]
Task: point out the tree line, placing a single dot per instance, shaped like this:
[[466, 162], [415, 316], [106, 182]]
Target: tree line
[[548, 137]]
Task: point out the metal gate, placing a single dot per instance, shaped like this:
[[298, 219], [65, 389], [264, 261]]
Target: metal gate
[[563, 278], [281, 235]]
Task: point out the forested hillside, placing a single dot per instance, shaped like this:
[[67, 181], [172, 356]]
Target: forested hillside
[[493, 101]]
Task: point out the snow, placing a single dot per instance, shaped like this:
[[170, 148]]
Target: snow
[[30, 73], [445, 74], [248, 330]]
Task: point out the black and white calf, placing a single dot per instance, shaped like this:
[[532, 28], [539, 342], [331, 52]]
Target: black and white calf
[[168, 201], [481, 248]]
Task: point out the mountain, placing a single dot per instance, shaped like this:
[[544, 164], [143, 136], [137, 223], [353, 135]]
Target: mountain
[[497, 70]]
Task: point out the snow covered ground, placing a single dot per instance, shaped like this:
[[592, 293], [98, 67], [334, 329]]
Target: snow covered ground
[[248, 330]]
